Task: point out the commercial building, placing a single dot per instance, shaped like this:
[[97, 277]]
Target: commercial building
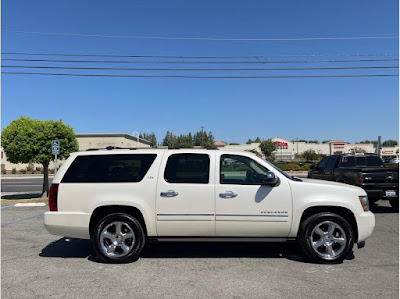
[[286, 150], [86, 141]]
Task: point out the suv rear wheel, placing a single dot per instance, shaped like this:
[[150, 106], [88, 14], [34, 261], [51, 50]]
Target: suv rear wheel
[[326, 238], [118, 238]]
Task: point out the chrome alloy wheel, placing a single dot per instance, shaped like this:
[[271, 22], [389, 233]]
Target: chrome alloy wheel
[[328, 240], [117, 239]]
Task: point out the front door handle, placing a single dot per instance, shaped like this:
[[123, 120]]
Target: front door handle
[[227, 194], [169, 193]]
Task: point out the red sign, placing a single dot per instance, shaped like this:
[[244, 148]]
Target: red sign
[[281, 144]]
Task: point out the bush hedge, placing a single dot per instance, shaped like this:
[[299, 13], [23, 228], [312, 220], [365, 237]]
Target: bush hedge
[[293, 166]]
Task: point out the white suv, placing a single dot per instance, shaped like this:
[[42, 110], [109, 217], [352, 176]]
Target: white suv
[[121, 198]]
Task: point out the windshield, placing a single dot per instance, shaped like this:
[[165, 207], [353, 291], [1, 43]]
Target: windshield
[[290, 177]]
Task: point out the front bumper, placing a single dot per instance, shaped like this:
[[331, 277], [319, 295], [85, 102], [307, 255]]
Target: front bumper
[[366, 225]]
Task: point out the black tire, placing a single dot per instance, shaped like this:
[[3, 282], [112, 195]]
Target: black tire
[[306, 236], [394, 202], [129, 224]]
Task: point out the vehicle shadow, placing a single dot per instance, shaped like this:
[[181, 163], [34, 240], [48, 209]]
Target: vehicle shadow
[[77, 248], [22, 196], [382, 207]]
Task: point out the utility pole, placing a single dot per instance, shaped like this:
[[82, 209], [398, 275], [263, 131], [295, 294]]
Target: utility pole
[[379, 146], [297, 143]]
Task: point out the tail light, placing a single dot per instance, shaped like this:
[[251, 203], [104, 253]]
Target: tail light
[[53, 197], [360, 178]]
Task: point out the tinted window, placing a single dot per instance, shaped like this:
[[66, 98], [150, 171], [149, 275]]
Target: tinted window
[[322, 164], [361, 161], [331, 164], [374, 161], [108, 168], [241, 170], [347, 161], [187, 168]]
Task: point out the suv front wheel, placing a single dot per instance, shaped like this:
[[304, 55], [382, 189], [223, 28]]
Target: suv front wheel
[[118, 238], [326, 238]]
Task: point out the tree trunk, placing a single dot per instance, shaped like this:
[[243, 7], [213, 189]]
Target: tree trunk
[[45, 181]]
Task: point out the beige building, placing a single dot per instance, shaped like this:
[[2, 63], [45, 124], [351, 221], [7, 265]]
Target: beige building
[[286, 149], [86, 141]]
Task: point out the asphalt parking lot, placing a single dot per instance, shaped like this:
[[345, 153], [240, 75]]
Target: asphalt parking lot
[[36, 264]]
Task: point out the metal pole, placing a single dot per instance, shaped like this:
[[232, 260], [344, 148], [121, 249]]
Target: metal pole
[[55, 164], [379, 146]]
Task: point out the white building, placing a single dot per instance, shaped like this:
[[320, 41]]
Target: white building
[[286, 149]]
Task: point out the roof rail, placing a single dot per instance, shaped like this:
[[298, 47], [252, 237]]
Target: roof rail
[[109, 148]]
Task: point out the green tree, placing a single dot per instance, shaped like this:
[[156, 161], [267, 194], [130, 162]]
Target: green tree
[[390, 142], [267, 148], [149, 137], [254, 151], [26, 140], [309, 155], [355, 150], [257, 140]]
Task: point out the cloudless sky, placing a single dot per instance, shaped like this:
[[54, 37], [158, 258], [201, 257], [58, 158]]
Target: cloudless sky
[[351, 109]]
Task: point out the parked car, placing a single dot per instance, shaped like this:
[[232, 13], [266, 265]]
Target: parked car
[[121, 198], [394, 161], [364, 170]]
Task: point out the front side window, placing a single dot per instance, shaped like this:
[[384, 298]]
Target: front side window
[[109, 168], [241, 170], [187, 168]]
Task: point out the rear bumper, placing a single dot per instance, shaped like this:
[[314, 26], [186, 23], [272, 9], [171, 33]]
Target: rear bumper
[[366, 225], [68, 224], [378, 191]]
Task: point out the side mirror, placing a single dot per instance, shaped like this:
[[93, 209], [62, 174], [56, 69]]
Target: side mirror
[[271, 179], [312, 166]]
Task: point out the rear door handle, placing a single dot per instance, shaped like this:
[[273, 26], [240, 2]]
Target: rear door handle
[[227, 194], [169, 193]]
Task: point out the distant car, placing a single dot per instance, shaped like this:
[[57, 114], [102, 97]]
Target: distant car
[[363, 170], [394, 161]]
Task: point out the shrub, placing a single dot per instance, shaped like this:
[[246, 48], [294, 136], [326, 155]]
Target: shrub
[[14, 171], [51, 170], [23, 171], [392, 165], [29, 168], [3, 171], [39, 168]]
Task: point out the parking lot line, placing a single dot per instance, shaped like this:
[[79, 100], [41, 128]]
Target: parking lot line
[[21, 220]]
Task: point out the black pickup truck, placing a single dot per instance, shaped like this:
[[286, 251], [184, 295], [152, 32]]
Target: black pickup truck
[[363, 170]]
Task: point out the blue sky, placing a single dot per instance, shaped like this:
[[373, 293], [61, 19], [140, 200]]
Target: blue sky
[[234, 110]]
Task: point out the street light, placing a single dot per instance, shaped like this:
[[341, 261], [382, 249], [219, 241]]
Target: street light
[[137, 138]]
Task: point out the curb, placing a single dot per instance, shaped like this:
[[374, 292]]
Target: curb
[[30, 204]]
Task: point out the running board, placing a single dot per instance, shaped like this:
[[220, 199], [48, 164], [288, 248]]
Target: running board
[[218, 239]]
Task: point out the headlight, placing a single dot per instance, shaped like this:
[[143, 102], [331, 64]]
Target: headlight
[[364, 202]]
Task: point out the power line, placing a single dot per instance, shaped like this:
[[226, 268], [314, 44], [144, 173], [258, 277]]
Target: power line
[[196, 62], [200, 69], [204, 77], [196, 57], [201, 38]]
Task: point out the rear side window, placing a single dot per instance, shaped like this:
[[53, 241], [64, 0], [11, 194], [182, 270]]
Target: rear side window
[[109, 168], [374, 161], [187, 168]]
